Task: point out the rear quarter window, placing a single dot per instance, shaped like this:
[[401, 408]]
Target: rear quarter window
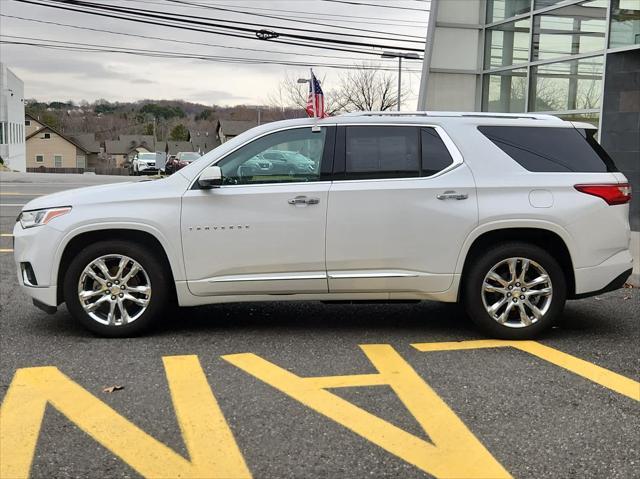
[[550, 149]]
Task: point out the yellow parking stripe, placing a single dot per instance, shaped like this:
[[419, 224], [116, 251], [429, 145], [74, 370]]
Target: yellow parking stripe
[[6, 235], [211, 448], [6, 250], [599, 375]]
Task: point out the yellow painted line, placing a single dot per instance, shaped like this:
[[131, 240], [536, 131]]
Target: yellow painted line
[[6, 250], [6, 235], [599, 375], [452, 452], [212, 451]]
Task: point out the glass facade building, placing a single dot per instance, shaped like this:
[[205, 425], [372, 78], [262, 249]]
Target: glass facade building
[[577, 59]]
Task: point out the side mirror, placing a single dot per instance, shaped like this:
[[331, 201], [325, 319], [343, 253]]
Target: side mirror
[[211, 177]]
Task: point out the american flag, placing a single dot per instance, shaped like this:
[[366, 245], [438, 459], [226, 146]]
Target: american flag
[[315, 100]]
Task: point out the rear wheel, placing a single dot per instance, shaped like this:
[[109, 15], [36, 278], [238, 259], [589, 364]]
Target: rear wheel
[[515, 291], [116, 288]]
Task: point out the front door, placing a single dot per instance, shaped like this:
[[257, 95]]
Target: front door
[[263, 230], [399, 210]]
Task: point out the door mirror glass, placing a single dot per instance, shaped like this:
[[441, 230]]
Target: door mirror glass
[[211, 177]]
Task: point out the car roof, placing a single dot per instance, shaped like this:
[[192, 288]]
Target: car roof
[[423, 118]]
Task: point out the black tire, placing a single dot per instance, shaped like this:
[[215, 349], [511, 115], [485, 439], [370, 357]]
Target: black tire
[[472, 294], [159, 278]]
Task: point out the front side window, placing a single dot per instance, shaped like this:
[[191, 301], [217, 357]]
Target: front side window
[[57, 161], [285, 156], [47, 136], [382, 152], [39, 158], [27, 122]]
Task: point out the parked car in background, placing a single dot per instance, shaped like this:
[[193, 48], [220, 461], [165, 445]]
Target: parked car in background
[[144, 164], [279, 162], [182, 159], [510, 215]]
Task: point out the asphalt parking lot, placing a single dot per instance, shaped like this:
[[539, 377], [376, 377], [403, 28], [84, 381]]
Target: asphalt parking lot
[[313, 390]]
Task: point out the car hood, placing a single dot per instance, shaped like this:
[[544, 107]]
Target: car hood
[[114, 192]]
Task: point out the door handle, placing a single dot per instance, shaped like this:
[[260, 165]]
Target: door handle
[[303, 200], [452, 195]]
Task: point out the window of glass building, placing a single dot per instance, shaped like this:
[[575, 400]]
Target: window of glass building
[[502, 9], [505, 91], [538, 4], [592, 118], [625, 23], [507, 44], [570, 30], [570, 85]]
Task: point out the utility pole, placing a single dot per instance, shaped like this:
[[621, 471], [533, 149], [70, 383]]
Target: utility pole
[[400, 56]]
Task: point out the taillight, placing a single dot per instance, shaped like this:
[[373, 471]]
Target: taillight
[[615, 194]]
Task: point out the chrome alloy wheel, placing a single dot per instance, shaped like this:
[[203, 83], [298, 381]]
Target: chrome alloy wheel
[[517, 292], [114, 290]]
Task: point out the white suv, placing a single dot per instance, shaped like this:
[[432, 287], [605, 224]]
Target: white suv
[[510, 214]]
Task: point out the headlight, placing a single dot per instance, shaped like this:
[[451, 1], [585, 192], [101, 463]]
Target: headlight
[[29, 219]]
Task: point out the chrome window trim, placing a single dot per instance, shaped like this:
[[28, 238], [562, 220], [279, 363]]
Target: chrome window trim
[[456, 156]]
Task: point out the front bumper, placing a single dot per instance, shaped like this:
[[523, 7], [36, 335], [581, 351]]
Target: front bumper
[[147, 169], [37, 246]]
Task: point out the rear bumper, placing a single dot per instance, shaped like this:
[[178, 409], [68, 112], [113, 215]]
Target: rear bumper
[[617, 283], [605, 276]]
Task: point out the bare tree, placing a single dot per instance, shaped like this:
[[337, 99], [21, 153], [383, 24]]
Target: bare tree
[[363, 89], [291, 94], [369, 90]]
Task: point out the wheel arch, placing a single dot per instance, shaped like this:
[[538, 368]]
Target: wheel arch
[[539, 235], [75, 242]]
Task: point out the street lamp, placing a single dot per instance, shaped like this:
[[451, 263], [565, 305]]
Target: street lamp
[[400, 56]]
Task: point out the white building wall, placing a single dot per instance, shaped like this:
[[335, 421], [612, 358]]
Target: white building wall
[[12, 146], [453, 54]]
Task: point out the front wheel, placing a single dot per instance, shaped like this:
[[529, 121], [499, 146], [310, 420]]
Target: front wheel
[[116, 288], [514, 291]]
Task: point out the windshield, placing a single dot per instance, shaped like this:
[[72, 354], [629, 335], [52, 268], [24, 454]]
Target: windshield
[[146, 156]]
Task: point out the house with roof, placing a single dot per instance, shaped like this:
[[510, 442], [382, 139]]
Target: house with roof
[[31, 124], [174, 147], [91, 145], [204, 141], [49, 148], [228, 129], [126, 147]]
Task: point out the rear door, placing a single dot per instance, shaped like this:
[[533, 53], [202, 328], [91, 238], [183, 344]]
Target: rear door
[[400, 207]]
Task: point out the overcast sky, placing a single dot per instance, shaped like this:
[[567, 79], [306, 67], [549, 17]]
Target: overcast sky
[[51, 74]]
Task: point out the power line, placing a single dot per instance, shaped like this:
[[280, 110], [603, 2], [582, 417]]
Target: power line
[[88, 47], [196, 29], [314, 15], [375, 5], [277, 17], [198, 20], [173, 40]]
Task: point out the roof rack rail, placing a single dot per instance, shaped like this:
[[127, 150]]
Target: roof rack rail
[[529, 116]]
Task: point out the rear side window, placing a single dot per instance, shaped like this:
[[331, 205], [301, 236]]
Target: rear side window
[[543, 149], [382, 152], [435, 156]]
